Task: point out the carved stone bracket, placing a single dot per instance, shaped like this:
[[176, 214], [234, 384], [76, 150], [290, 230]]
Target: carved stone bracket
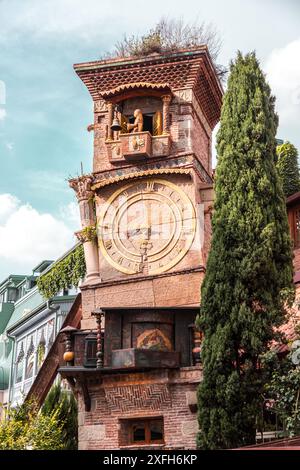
[[85, 392], [71, 382], [82, 187]]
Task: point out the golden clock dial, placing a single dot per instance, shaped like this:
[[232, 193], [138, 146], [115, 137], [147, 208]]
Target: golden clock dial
[[146, 227]]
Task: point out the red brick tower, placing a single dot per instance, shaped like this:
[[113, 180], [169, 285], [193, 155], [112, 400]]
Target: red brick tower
[[145, 213]]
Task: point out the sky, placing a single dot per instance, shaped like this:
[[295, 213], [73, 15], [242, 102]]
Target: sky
[[45, 108]]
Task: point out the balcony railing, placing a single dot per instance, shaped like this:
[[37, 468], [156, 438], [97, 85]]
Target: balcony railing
[[84, 345], [137, 146]]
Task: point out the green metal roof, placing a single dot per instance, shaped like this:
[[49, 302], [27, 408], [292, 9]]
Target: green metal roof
[[6, 310], [12, 279], [42, 266], [29, 302], [4, 376]]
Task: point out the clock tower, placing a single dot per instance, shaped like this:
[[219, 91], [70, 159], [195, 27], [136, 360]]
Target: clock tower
[[145, 212]]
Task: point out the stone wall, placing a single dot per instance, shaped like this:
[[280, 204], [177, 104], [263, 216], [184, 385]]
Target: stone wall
[[167, 394]]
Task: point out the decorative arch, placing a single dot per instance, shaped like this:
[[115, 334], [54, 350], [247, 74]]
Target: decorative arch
[[130, 90]]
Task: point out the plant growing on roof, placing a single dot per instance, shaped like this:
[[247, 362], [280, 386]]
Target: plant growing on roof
[[64, 273]]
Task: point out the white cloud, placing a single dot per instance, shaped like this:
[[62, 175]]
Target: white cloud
[[52, 17], [70, 213], [8, 204], [283, 73], [2, 114], [28, 236]]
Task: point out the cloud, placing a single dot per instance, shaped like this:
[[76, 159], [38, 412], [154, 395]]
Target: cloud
[[8, 204], [70, 213], [283, 73], [28, 236], [52, 17]]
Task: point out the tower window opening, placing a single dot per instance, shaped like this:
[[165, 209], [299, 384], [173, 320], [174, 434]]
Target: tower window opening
[[147, 124]]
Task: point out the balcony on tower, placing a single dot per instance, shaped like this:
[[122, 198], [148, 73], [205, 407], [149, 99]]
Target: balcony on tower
[[138, 122], [132, 339], [157, 107]]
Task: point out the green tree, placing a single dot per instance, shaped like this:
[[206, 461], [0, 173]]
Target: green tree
[[287, 165], [24, 428], [66, 406], [249, 270], [283, 387]]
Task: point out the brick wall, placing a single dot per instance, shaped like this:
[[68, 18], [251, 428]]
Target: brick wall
[[296, 259], [166, 394]]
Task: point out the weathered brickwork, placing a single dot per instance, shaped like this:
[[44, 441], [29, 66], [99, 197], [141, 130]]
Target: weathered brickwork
[[297, 260], [166, 395], [137, 398]]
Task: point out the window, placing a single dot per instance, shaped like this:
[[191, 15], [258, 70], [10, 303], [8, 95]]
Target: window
[[41, 351], [145, 431], [294, 220], [20, 363], [297, 227], [90, 351], [19, 370], [12, 294], [29, 360], [152, 122]]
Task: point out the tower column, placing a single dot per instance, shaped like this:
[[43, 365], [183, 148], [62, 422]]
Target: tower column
[[166, 99], [88, 234], [110, 120]]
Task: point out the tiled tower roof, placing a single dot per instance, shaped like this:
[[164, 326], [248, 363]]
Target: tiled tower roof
[[191, 68]]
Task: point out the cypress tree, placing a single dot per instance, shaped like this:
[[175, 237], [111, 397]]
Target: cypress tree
[[249, 270], [288, 169]]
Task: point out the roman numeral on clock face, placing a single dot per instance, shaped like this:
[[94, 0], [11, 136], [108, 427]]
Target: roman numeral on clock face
[[108, 244], [150, 186], [107, 227]]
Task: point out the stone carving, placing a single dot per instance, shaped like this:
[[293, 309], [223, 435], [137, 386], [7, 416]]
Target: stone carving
[[82, 186], [183, 96], [136, 143], [138, 124], [116, 151], [100, 106]]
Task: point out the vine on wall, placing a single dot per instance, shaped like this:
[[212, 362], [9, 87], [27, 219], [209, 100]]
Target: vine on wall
[[63, 274]]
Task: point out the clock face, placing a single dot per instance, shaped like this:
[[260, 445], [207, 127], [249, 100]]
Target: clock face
[[146, 227]]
